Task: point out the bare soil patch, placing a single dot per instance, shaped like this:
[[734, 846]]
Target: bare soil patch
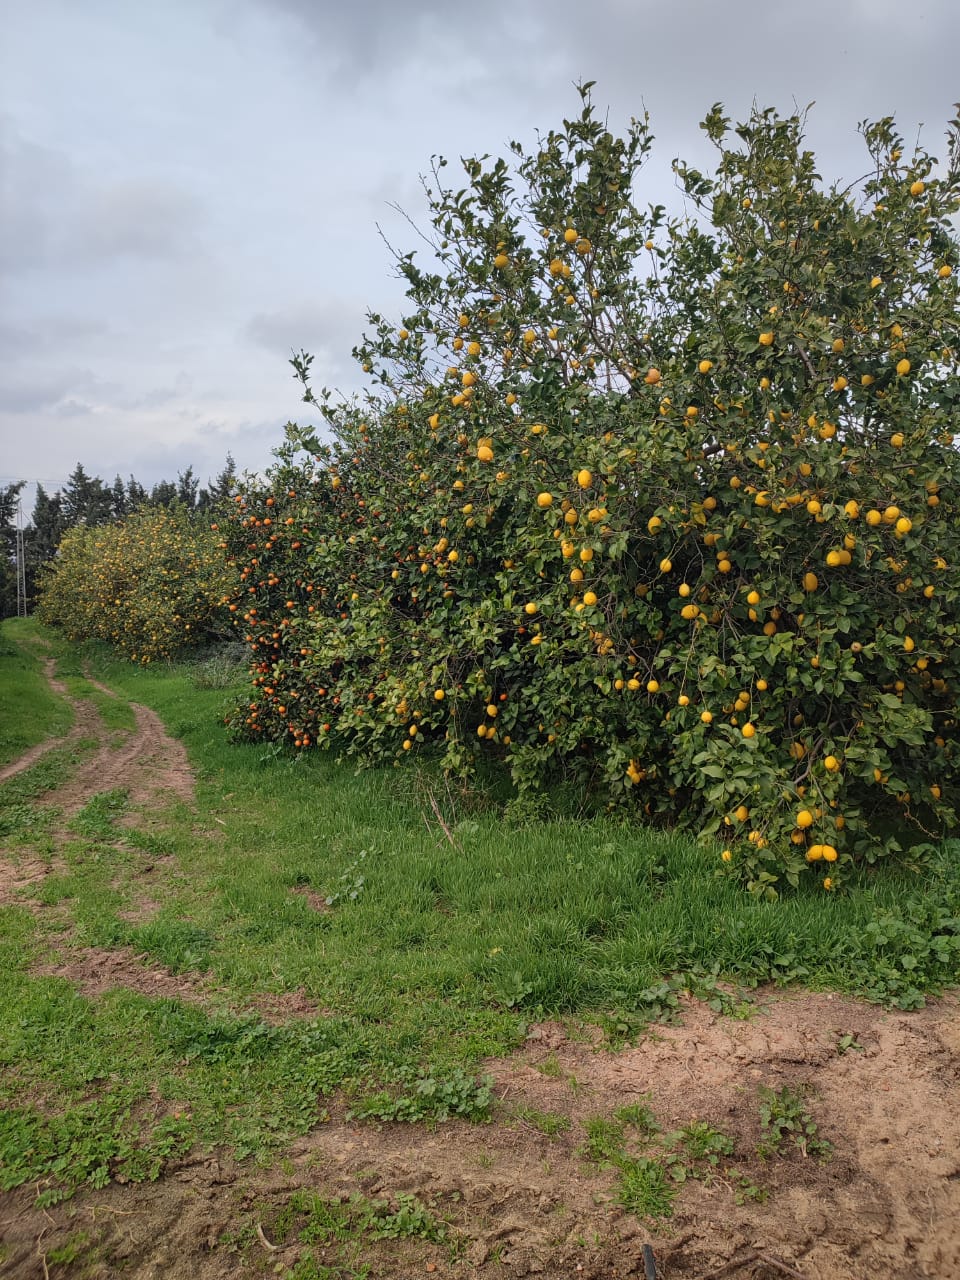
[[96, 970], [19, 874], [887, 1203], [315, 900]]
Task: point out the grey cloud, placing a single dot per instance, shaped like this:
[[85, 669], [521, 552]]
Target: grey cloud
[[15, 340], [509, 60], [46, 335], [73, 409], [327, 330], [31, 391], [32, 177], [144, 219], [51, 214], [357, 39]]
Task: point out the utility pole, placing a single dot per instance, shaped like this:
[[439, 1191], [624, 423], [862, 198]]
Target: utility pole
[[21, 565]]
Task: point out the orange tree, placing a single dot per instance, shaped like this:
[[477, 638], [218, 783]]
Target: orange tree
[[151, 585], [270, 540], [666, 506]]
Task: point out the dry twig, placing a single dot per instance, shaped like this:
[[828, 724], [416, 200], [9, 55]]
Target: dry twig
[[753, 1255], [264, 1241]]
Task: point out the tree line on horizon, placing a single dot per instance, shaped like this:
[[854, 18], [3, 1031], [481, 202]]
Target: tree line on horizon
[[87, 500]]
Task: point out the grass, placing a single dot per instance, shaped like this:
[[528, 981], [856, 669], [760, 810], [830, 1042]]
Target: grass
[[30, 711], [549, 1123], [428, 957], [342, 1227]]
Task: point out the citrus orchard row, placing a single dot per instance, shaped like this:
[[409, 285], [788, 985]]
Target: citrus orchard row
[[664, 507]]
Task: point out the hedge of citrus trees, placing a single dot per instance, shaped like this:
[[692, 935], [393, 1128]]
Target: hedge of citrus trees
[[665, 506], [151, 585]]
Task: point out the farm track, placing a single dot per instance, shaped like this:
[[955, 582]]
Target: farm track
[[887, 1203]]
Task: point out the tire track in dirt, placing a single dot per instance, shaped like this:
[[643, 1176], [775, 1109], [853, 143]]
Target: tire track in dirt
[[153, 769], [146, 762], [149, 764], [86, 724]]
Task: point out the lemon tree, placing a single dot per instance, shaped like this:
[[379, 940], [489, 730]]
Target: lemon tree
[[151, 585], [663, 506]]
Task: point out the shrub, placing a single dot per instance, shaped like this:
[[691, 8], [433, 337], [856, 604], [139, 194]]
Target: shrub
[[665, 507]]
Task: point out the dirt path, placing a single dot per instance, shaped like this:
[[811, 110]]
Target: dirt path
[[882, 1086]]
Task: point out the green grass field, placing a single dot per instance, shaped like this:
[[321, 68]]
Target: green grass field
[[423, 949], [29, 710]]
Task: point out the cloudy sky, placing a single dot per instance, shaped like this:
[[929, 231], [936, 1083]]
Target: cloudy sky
[[190, 189]]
